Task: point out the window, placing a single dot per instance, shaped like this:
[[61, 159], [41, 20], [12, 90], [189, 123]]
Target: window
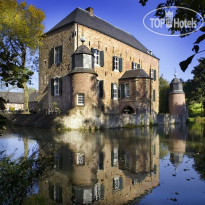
[[80, 99], [117, 183], [154, 96], [151, 73], [114, 157], [138, 66], [80, 160], [134, 66], [56, 86], [58, 55], [115, 63], [114, 91], [121, 91], [97, 57], [127, 90]]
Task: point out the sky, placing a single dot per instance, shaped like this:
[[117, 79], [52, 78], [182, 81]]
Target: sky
[[128, 15]]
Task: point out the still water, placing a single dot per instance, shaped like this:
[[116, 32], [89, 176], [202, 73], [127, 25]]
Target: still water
[[164, 165]]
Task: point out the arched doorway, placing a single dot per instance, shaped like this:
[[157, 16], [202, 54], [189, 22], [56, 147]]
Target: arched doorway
[[128, 110]]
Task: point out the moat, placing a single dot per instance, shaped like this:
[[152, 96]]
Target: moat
[[151, 165]]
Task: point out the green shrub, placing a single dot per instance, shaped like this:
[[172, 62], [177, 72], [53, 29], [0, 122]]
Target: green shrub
[[11, 109], [17, 176]]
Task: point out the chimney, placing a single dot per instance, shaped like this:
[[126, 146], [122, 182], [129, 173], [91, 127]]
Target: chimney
[[90, 10]]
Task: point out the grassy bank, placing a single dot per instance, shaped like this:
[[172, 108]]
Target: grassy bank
[[196, 113]]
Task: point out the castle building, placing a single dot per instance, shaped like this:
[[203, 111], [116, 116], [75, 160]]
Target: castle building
[[112, 70]]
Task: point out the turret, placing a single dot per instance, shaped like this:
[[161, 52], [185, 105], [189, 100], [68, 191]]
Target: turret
[[177, 104], [84, 82]]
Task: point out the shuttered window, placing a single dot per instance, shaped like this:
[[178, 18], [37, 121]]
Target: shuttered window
[[99, 57], [117, 64], [151, 73], [55, 56], [134, 66], [58, 55], [56, 86], [138, 66]]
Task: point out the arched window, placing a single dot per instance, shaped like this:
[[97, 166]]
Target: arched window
[[128, 110]]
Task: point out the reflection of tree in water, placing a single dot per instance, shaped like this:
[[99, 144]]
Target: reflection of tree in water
[[196, 145]]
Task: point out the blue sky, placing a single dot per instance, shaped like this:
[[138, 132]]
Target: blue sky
[[127, 15]]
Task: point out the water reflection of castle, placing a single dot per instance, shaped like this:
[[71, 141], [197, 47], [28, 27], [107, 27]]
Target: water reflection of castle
[[177, 144], [103, 170]]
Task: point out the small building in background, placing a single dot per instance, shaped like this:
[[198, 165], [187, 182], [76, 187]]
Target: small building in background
[[177, 103], [14, 101]]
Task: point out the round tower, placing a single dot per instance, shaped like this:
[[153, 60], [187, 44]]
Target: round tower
[[177, 104], [84, 78]]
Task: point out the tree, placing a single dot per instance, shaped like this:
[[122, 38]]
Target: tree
[[199, 81], [196, 5], [195, 88], [163, 95], [21, 32]]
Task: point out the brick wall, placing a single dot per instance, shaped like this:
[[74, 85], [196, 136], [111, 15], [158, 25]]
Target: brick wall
[[69, 38], [64, 37], [85, 83], [177, 104], [113, 47]]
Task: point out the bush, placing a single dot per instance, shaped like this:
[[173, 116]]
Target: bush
[[11, 109], [17, 176]]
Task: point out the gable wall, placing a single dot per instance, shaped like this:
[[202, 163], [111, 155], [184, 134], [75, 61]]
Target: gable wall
[[64, 37]]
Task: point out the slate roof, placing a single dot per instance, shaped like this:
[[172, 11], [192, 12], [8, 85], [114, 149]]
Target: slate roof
[[83, 50], [83, 17], [176, 80], [33, 97], [138, 73], [13, 97]]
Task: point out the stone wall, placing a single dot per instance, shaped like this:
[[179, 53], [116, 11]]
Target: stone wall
[[82, 119]]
